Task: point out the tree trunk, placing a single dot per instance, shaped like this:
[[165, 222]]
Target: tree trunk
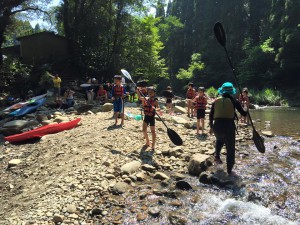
[[4, 22]]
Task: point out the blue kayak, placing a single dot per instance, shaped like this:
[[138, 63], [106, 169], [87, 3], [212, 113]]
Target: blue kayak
[[30, 108]]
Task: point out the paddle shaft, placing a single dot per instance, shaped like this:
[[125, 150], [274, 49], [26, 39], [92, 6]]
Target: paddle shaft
[[148, 103], [237, 83]]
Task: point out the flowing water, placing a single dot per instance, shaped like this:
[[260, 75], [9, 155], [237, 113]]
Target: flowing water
[[271, 194]]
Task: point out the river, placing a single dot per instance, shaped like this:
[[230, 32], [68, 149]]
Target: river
[[271, 195]]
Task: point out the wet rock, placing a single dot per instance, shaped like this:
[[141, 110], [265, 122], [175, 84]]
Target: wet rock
[[268, 133], [120, 188], [14, 162], [220, 179], [176, 203], [154, 212], [204, 178], [183, 185], [107, 107], [131, 167], [58, 218], [148, 167], [178, 176], [176, 218], [160, 176], [96, 211], [179, 109], [197, 164]]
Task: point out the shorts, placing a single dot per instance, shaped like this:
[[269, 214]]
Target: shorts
[[118, 105], [149, 120], [169, 101], [200, 114], [56, 91]]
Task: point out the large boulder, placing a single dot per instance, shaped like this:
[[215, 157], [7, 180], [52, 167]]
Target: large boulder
[[131, 167], [15, 127], [197, 164], [179, 109], [107, 107]]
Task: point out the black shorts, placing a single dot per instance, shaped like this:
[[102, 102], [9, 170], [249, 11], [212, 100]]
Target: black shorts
[[149, 120], [200, 114], [169, 101]]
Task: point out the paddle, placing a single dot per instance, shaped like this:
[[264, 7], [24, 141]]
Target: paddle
[[174, 137], [221, 37]]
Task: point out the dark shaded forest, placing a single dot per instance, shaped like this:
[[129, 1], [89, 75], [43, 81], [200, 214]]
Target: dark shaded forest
[[177, 44]]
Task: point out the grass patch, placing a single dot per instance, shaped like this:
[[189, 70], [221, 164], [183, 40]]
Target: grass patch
[[212, 92], [268, 97]]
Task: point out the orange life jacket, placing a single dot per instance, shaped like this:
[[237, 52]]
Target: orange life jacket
[[118, 91], [190, 93], [201, 102], [148, 107]]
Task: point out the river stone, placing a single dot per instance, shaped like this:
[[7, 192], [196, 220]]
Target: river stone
[[140, 176], [120, 188], [71, 208], [161, 176], [177, 151], [16, 124], [14, 162], [179, 120], [148, 167], [176, 218], [107, 107], [58, 218], [131, 167], [268, 133], [183, 185], [177, 176], [154, 212], [179, 109], [61, 119], [197, 164], [41, 117], [181, 103]]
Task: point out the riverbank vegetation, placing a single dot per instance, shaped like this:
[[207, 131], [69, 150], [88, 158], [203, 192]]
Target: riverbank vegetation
[[176, 44]]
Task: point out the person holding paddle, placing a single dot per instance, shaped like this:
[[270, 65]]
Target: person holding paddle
[[118, 93], [221, 121], [150, 105]]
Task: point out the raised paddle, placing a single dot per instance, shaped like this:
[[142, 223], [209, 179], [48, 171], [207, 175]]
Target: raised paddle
[[174, 137], [221, 37]]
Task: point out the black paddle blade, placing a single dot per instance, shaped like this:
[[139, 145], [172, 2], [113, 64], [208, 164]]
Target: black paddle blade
[[174, 137], [220, 33], [259, 142]]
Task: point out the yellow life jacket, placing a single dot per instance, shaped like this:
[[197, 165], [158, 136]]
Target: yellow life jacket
[[224, 109]]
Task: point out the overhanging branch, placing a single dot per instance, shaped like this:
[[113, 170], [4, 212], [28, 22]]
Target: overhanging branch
[[31, 9]]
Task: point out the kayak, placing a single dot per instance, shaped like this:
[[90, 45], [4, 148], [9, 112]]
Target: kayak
[[42, 131], [22, 104], [85, 85], [31, 107]]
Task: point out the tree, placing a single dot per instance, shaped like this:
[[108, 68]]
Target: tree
[[10, 8], [160, 9]]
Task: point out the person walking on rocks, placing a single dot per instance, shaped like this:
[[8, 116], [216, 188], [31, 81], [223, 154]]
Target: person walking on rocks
[[150, 105], [118, 93], [190, 95], [201, 102], [169, 96], [221, 121], [244, 100], [56, 85]]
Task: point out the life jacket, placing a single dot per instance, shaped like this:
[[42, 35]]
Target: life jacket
[[148, 107], [101, 92], [224, 108], [118, 91], [190, 93], [201, 102]]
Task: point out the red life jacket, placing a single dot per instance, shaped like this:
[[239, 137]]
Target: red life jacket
[[201, 102], [148, 107], [118, 91], [190, 93]]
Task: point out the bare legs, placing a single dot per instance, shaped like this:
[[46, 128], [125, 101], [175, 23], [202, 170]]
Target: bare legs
[[152, 128]]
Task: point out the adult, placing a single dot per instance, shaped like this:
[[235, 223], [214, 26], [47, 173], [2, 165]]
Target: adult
[[89, 91], [221, 120], [95, 87], [56, 85]]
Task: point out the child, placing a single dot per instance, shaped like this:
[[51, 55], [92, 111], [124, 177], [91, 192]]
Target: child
[[169, 96], [69, 97], [102, 95], [190, 95], [201, 102], [244, 100], [118, 93], [150, 104]]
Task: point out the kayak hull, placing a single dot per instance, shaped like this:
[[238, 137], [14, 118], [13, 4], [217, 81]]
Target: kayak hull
[[32, 107], [42, 131]]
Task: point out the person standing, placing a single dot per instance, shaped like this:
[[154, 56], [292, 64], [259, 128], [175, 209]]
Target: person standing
[[118, 93], [201, 102], [221, 121], [244, 100], [56, 85], [169, 103], [190, 95]]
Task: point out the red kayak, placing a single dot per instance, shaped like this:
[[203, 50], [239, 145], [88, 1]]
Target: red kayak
[[42, 131]]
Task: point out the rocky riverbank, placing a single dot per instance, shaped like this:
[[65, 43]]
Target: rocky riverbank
[[85, 175]]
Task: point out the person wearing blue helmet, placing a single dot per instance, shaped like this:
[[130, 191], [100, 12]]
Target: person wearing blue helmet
[[221, 120]]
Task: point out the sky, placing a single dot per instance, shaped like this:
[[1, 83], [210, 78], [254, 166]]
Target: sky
[[40, 21]]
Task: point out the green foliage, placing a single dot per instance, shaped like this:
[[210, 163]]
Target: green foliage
[[45, 82], [212, 92], [194, 70], [268, 97]]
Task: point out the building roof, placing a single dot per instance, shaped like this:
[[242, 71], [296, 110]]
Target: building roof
[[41, 33]]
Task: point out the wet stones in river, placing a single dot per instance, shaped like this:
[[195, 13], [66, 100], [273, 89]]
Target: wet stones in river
[[177, 218], [198, 164], [183, 185], [154, 212], [268, 133]]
